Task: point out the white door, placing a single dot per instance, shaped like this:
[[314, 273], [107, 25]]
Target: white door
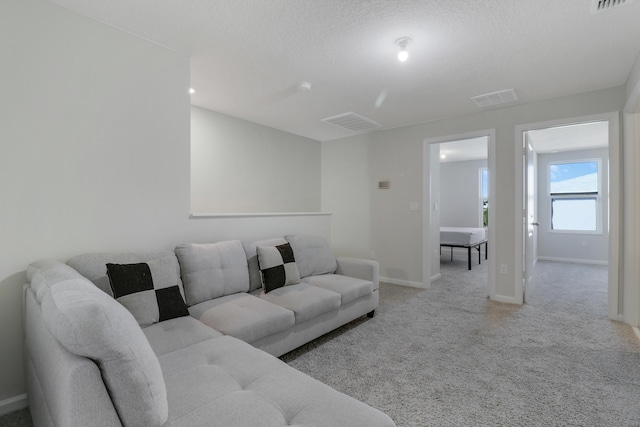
[[529, 213]]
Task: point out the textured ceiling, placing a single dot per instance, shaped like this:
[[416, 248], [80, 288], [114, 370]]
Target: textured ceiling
[[248, 56]]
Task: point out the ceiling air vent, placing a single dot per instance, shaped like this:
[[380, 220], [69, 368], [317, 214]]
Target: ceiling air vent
[[495, 98], [353, 122], [602, 5]]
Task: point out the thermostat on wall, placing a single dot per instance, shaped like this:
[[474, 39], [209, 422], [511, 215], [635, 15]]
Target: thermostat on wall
[[384, 185]]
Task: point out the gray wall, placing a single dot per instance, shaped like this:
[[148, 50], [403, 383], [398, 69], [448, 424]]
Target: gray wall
[[461, 199], [94, 152], [266, 170], [396, 231], [567, 246]]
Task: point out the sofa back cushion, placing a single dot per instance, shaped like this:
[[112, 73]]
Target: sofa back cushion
[[212, 270], [313, 255], [250, 248], [89, 323], [45, 273], [93, 266]]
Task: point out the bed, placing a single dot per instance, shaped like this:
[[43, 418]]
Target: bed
[[464, 237]]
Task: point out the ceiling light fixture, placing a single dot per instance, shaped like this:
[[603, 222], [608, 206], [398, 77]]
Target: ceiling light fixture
[[304, 87], [192, 91], [402, 42]]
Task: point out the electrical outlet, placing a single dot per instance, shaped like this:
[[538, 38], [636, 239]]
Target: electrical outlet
[[503, 269]]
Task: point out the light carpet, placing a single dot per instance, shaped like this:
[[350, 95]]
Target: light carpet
[[448, 356]]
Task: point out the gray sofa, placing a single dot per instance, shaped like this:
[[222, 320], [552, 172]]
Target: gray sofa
[[135, 357]]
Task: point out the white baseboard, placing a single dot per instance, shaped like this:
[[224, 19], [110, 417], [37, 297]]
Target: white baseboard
[[402, 282], [13, 404], [501, 298], [637, 331], [436, 277], [575, 261]]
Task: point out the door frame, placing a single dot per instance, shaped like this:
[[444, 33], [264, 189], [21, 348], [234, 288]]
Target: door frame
[[428, 242], [615, 218]]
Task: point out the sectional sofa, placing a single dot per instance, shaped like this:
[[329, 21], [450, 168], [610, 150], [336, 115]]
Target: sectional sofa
[[188, 338]]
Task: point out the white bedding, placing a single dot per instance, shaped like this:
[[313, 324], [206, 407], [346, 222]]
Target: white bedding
[[461, 235]]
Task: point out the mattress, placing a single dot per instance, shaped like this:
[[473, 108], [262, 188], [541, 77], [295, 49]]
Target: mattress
[[461, 235]]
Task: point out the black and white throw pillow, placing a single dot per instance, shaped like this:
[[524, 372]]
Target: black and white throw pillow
[[277, 266], [133, 287]]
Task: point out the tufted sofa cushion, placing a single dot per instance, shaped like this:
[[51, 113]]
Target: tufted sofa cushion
[[171, 335], [313, 255], [212, 270], [243, 316], [349, 288], [306, 301], [224, 381], [45, 273], [94, 266]]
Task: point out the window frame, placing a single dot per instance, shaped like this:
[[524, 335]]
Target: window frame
[[576, 196], [481, 197]]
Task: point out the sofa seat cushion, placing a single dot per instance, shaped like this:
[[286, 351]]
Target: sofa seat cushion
[[171, 335], [349, 288], [226, 382], [306, 301], [243, 316]]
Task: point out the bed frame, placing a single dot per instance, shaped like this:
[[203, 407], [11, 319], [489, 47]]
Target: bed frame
[[475, 245]]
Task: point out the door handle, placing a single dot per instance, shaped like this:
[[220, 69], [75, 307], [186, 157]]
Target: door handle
[[535, 224]]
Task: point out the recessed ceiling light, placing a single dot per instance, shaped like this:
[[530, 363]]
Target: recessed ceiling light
[[192, 91], [443, 156]]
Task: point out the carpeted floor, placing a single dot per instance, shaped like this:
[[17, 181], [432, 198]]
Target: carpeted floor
[[447, 356]]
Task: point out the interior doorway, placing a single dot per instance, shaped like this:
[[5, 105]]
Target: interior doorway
[[569, 197], [458, 195]]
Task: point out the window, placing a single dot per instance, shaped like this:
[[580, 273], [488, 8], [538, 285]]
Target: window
[[575, 198]]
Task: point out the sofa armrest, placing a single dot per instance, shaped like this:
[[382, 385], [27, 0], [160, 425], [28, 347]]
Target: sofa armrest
[[364, 269]]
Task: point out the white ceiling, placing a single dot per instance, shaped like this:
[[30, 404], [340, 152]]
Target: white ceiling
[[568, 138], [580, 136], [463, 150], [248, 56]]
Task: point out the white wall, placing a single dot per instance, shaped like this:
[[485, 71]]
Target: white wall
[[436, 200], [396, 154], [94, 152], [266, 170], [461, 198], [563, 246], [631, 235]]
